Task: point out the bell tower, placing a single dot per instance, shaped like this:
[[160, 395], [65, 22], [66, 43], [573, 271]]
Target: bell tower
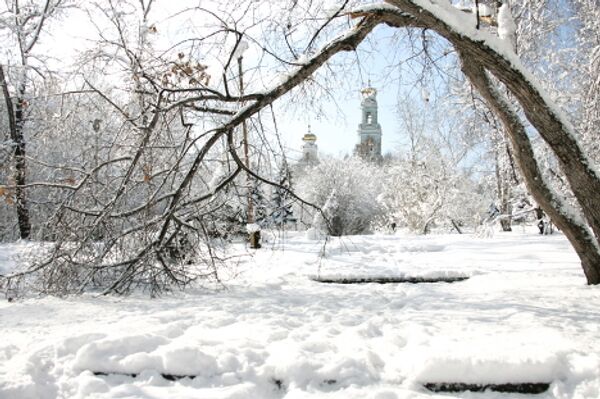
[[369, 130]]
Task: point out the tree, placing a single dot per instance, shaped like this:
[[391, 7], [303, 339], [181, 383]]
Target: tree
[[260, 205], [430, 175], [281, 208], [588, 31], [481, 121], [431, 191], [25, 23]]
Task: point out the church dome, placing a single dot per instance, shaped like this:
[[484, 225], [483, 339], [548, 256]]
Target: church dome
[[369, 92], [309, 137]]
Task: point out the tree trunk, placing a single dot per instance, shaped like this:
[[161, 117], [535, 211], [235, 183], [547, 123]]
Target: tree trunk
[[254, 239], [504, 193], [506, 224], [16, 122]]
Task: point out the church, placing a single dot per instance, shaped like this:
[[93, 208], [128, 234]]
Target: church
[[369, 133]]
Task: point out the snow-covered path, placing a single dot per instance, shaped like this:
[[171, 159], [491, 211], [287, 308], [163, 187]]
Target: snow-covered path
[[525, 315]]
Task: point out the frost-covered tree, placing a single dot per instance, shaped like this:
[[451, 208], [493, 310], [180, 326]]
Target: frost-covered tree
[[587, 20], [349, 187], [260, 204], [430, 179], [495, 152], [281, 204], [420, 195]]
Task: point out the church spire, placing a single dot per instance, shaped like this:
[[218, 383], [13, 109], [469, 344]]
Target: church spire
[[369, 130], [309, 148]]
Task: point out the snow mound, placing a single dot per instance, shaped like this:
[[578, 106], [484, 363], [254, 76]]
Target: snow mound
[[490, 371], [525, 356], [135, 354]]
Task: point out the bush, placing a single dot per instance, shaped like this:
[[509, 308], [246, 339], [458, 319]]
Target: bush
[[346, 189]]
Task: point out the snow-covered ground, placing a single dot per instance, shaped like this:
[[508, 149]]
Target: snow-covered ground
[[525, 315]]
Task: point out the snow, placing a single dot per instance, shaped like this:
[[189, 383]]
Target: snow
[[241, 48], [425, 94], [507, 28], [485, 10], [330, 7], [10, 253], [252, 227], [216, 179], [525, 315]]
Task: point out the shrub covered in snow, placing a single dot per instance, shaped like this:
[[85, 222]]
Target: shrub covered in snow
[[346, 189]]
